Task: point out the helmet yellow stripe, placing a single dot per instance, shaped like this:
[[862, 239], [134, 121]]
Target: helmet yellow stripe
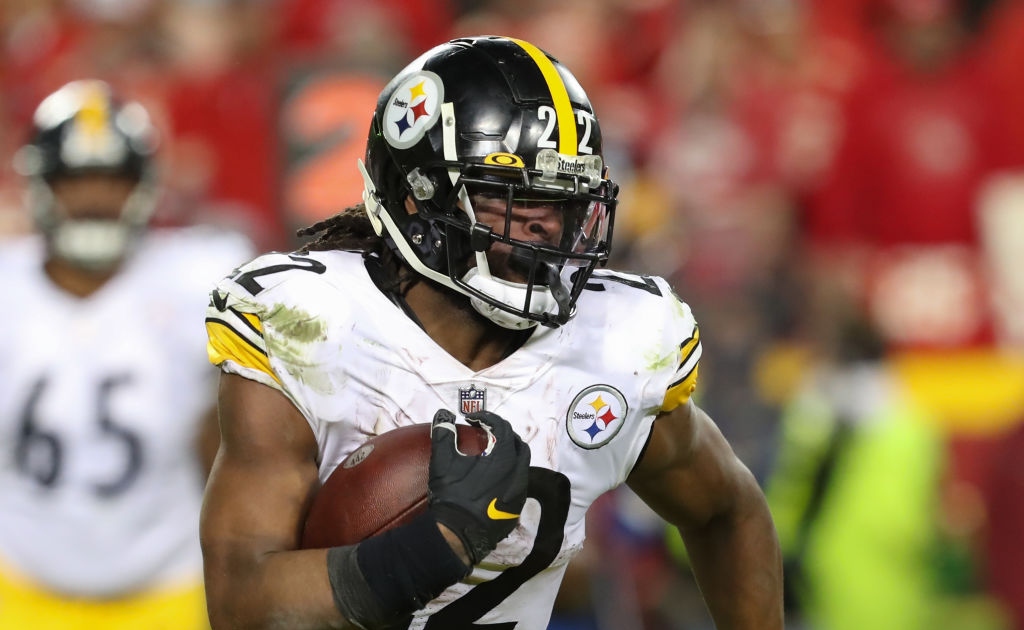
[[94, 115], [559, 95]]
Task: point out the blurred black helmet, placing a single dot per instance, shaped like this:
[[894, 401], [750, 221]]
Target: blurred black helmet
[[498, 117], [84, 129]]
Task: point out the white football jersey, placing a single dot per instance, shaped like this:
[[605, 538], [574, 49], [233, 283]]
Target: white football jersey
[[100, 399], [583, 396]]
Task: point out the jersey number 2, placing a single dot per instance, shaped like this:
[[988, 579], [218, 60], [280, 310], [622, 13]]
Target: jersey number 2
[[551, 490]]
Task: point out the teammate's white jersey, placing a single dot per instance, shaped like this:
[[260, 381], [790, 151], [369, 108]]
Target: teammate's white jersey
[[100, 399], [583, 396]]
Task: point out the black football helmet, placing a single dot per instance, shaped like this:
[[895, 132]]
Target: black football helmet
[[498, 117], [82, 129]]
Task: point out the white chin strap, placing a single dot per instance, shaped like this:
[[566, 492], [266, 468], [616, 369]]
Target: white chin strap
[[91, 244], [511, 293]]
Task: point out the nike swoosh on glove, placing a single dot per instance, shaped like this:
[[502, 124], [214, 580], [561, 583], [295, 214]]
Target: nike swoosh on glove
[[478, 497]]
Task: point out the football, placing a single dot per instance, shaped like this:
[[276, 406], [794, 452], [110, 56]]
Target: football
[[380, 485]]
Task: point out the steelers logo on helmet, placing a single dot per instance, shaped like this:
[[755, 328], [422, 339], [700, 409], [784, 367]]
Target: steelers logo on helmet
[[414, 107], [595, 416]]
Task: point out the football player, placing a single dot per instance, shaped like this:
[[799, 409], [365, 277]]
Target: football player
[[105, 387], [467, 287]]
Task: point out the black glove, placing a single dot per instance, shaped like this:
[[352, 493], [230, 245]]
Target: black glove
[[479, 497]]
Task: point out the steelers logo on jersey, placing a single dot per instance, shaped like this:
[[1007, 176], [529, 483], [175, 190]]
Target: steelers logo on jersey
[[595, 416]]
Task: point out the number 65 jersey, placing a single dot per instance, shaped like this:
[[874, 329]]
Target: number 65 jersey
[[583, 396], [100, 401]]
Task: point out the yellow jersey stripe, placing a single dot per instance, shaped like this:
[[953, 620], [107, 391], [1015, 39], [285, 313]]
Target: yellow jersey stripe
[[687, 347], [689, 357], [254, 322], [567, 142], [679, 393], [225, 343]]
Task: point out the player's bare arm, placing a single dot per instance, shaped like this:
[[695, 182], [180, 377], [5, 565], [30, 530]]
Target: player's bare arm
[[690, 476], [262, 480], [207, 440]]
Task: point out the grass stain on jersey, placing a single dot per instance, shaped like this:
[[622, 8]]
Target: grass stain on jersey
[[296, 325], [682, 310], [295, 344], [660, 361]]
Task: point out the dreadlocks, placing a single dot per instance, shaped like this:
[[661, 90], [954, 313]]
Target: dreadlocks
[[351, 230]]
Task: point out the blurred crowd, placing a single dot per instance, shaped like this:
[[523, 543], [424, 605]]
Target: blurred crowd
[[835, 186]]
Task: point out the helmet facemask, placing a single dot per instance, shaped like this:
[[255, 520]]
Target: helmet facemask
[[550, 273], [446, 242]]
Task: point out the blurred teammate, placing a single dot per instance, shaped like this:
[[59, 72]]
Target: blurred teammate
[[105, 390], [466, 284]]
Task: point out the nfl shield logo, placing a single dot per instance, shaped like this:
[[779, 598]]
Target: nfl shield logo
[[471, 399]]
